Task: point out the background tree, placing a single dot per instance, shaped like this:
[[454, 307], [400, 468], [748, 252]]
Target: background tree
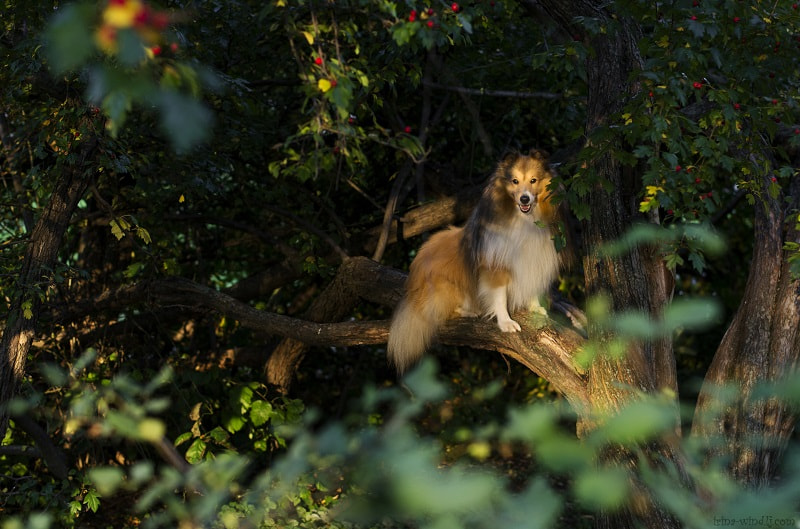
[[143, 229]]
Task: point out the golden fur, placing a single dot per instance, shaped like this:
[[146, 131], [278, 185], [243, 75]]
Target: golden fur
[[502, 260]]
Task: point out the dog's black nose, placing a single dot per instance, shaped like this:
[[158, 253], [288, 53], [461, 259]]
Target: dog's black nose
[[524, 199]]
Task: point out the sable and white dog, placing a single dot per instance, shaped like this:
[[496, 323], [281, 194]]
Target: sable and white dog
[[502, 260]]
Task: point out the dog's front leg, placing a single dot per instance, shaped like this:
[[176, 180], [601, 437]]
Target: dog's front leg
[[498, 305], [493, 289]]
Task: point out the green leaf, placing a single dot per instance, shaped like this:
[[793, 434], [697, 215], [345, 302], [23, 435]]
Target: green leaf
[[218, 434], [638, 422], [694, 314], [233, 423], [635, 325], [423, 384], [563, 453], [530, 423], [151, 429], [605, 488], [196, 451], [186, 121], [260, 412], [143, 234], [182, 438], [92, 500], [106, 479], [68, 39], [131, 48], [27, 309], [141, 472], [465, 23]]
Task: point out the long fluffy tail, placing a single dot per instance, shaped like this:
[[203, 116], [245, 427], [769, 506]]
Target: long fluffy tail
[[411, 333]]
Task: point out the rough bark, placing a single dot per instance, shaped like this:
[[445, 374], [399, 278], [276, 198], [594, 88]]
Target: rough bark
[[761, 345], [39, 259], [633, 281]]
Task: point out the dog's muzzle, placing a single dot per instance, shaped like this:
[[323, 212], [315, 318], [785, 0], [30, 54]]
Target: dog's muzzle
[[525, 203]]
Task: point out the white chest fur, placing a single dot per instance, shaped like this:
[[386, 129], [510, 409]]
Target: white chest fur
[[527, 252]]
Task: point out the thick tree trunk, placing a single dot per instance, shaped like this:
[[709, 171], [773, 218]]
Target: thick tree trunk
[[762, 344], [39, 260], [634, 281]]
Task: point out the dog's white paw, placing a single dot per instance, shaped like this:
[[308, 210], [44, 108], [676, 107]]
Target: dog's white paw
[[508, 325]]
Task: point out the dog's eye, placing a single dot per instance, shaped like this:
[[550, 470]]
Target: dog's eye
[[533, 180], [515, 181]]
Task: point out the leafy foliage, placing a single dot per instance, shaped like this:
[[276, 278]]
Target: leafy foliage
[[289, 123]]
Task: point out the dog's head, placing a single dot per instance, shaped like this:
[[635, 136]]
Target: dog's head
[[525, 178]]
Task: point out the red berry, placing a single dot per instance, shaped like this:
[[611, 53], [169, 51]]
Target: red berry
[[318, 61], [697, 84], [430, 23], [737, 106], [430, 11], [774, 179], [156, 50], [794, 6], [650, 93], [412, 17], [333, 83], [797, 131], [407, 130], [697, 180], [736, 20], [173, 47], [678, 168], [455, 7], [693, 17], [709, 194], [143, 17], [777, 120], [670, 212], [774, 101], [696, 3]]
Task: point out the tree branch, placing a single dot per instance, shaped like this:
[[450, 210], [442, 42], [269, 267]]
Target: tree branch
[[543, 346], [492, 93]]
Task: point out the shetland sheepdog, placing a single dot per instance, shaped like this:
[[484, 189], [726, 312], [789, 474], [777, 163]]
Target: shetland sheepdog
[[502, 260]]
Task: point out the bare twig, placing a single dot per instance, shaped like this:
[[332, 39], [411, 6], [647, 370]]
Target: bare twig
[[492, 93]]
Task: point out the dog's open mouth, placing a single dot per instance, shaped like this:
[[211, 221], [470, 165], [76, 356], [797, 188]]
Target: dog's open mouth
[[525, 208]]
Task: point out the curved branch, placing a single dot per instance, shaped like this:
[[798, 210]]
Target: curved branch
[[545, 349]]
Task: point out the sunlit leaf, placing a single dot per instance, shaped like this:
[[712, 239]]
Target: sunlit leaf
[[605, 488], [260, 412], [196, 451], [106, 479], [151, 429]]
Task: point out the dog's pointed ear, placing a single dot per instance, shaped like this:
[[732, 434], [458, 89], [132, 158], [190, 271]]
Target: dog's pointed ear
[[510, 157], [539, 154]]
